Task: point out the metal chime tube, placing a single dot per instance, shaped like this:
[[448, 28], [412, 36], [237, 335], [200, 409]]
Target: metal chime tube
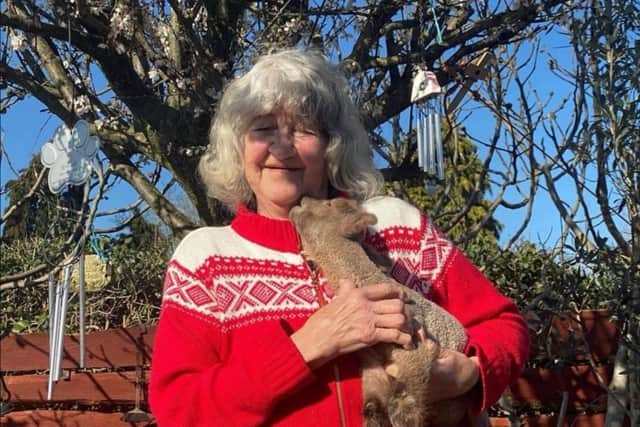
[[52, 296], [81, 297], [54, 342], [62, 316], [53, 303], [425, 139], [420, 139], [432, 143], [439, 149], [57, 340], [54, 365], [56, 331]]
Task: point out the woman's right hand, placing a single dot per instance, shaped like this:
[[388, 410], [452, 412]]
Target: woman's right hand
[[355, 318]]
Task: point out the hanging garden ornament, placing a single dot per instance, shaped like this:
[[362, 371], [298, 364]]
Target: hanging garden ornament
[[424, 93], [70, 158]]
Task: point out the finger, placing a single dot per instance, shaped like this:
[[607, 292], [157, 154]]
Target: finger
[[394, 336], [384, 291], [395, 321], [388, 306]]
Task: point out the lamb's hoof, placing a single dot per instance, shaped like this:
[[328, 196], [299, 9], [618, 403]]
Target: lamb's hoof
[[405, 412]]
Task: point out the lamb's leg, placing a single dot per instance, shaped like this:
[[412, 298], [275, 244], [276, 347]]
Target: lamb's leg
[[409, 402], [376, 386], [446, 331]]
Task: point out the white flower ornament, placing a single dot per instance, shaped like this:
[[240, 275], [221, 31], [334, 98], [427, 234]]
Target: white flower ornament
[[69, 156]]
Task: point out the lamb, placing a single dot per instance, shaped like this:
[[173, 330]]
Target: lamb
[[331, 231]]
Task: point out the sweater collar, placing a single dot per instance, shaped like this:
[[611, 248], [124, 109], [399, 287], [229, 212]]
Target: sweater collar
[[277, 234]]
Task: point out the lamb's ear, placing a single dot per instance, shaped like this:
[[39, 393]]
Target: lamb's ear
[[368, 219], [354, 229]]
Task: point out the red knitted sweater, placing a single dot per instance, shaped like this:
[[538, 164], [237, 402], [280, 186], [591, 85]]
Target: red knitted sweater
[[233, 295]]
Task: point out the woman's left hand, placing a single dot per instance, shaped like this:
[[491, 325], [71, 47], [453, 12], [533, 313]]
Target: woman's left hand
[[454, 374]]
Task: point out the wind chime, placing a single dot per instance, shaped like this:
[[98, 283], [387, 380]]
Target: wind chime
[[425, 95], [69, 158]]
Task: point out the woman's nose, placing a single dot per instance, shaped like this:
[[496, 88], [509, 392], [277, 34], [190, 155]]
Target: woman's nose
[[282, 146]]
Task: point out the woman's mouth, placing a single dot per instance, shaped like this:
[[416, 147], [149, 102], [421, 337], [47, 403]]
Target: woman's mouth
[[283, 168]]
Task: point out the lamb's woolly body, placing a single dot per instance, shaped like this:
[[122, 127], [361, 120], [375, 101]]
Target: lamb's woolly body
[[341, 258], [329, 231]]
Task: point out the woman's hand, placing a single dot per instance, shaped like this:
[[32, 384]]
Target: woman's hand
[[452, 373], [355, 318]]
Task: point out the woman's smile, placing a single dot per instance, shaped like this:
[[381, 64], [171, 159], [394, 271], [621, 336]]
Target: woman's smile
[[283, 168]]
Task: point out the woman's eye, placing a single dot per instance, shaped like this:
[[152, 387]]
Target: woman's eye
[[264, 128]]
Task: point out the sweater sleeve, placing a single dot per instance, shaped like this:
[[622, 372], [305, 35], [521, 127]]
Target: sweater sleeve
[[202, 377], [497, 333]]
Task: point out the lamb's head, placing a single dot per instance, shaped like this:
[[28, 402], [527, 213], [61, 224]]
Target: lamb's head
[[318, 220]]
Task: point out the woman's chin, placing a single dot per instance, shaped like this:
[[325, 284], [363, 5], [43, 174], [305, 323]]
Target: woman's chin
[[278, 207], [280, 203]]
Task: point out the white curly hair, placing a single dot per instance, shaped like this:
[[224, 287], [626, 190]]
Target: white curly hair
[[306, 86]]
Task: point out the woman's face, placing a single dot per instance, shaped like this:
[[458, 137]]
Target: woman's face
[[283, 160]]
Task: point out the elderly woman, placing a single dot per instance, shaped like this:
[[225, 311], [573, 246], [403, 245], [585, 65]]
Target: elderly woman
[[244, 337]]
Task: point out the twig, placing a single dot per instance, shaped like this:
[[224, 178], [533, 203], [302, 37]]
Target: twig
[[30, 194]]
